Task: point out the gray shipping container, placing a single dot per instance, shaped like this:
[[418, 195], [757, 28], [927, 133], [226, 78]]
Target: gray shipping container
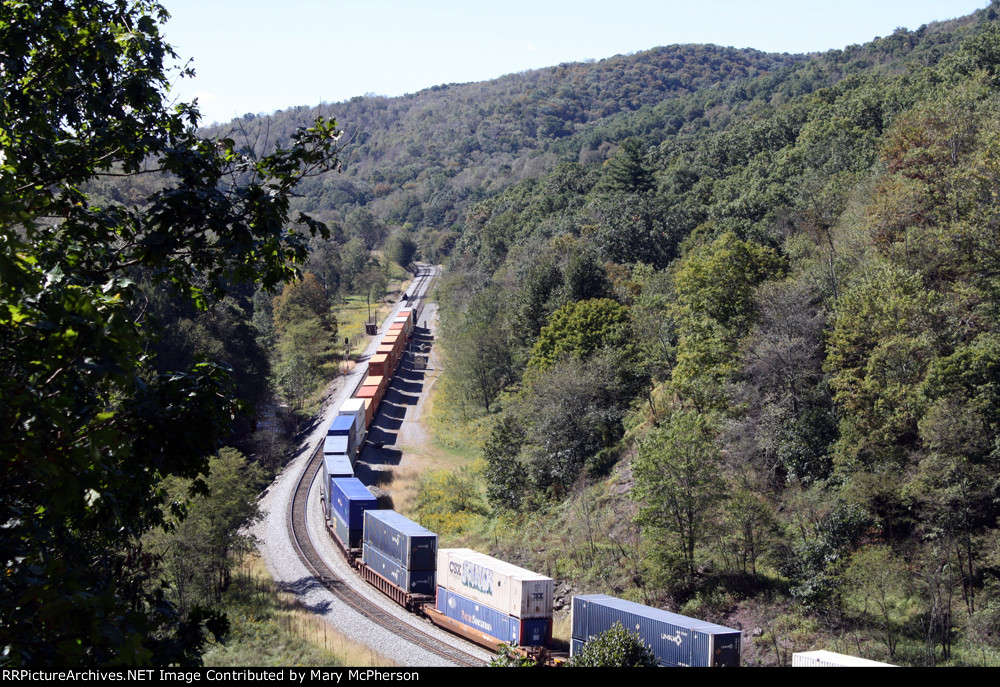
[[413, 581], [351, 539], [412, 546], [337, 445], [676, 640]]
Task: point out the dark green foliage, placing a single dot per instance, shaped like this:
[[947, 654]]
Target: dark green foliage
[[628, 172], [637, 228], [198, 551], [585, 278], [614, 648], [89, 425], [678, 487], [573, 410], [506, 476], [819, 554], [401, 249], [479, 350]]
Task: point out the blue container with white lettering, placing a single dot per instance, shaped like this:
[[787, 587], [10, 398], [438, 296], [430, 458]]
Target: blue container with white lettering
[[496, 624], [676, 640], [413, 581], [412, 546]]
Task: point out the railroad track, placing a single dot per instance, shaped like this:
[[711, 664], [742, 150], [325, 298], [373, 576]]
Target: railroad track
[[314, 561]]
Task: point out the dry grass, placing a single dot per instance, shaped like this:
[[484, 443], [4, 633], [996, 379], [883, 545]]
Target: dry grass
[[352, 312], [270, 628], [423, 451]]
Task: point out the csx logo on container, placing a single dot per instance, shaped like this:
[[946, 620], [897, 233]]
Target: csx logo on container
[[473, 576]]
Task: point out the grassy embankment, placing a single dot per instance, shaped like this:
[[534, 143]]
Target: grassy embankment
[[270, 628]]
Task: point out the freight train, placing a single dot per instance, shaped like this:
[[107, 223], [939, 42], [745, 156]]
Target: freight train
[[471, 594]]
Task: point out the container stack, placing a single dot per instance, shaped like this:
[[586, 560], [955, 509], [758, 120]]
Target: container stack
[[355, 408], [400, 550], [341, 437], [349, 499], [506, 602], [335, 466], [676, 640]]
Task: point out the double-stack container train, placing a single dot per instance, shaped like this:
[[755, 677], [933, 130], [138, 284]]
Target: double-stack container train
[[469, 593]]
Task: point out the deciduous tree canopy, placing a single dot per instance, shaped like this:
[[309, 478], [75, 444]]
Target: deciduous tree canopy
[[88, 428]]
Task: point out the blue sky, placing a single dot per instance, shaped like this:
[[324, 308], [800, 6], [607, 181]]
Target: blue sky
[[265, 55]]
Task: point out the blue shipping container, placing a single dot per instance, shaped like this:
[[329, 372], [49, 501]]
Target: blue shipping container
[[350, 499], [675, 639], [413, 581], [412, 546], [342, 425], [496, 624]]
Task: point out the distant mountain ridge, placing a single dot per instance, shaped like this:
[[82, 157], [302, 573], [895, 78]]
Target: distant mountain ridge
[[422, 159]]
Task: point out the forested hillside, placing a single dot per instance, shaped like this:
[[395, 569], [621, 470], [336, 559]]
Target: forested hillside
[[723, 326], [764, 332], [419, 161], [727, 320]]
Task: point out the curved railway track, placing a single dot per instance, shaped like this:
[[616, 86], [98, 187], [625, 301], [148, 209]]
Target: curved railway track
[[314, 561]]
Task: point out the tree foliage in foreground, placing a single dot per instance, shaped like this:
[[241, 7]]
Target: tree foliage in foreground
[[614, 648], [88, 429]]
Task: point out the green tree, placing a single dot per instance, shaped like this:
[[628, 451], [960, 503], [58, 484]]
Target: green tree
[[715, 287], [507, 658], [875, 586], [614, 648], [506, 475], [198, 550], [579, 329], [628, 171], [478, 350], [573, 410], [886, 330], [301, 300], [635, 228], [88, 428], [354, 258], [749, 531], [677, 487], [401, 249]]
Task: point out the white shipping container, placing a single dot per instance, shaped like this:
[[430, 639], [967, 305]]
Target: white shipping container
[[494, 583], [830, 659], [355, 407]]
